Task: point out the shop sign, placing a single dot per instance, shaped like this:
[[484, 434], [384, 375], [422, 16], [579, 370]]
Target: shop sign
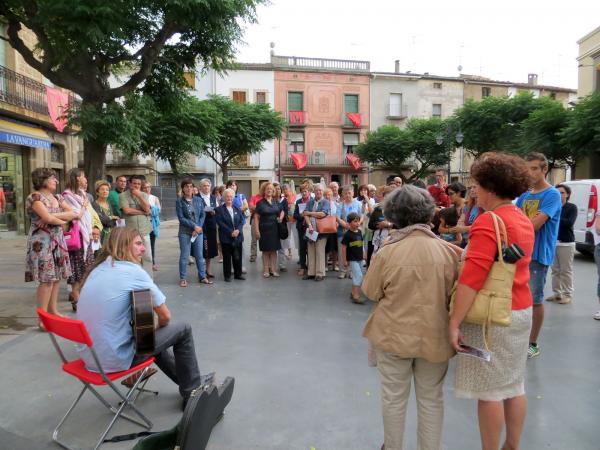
[[18, 139]]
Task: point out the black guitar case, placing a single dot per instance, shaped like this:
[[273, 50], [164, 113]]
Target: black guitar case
[[203, 411]]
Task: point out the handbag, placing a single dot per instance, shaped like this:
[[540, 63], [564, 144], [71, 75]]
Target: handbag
[[493, 302], [327, 225], [73, 237], [282, 230]]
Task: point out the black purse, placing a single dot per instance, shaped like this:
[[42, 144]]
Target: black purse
[[282, 229]]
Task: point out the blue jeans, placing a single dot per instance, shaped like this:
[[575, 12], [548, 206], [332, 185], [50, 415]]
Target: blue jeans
[[356, 271], [185, 247], [537, 281], [597, 258]]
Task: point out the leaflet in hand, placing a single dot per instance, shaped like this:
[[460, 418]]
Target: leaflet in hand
[[208, 209], [193, 238], [121, 223], [311, 236], [301, 208], [475, 352]]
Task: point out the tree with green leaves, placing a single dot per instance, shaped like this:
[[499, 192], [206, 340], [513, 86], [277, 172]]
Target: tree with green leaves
[[412, 148], [494, 123], [581, 136], [80, 45], [542, 132], [240, 130]]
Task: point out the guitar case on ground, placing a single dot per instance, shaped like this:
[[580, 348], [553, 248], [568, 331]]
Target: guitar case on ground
[[202, 412]]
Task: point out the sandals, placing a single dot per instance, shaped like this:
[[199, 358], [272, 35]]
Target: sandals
[[205, 281], [73, 302], [266, 274], [182, 283]]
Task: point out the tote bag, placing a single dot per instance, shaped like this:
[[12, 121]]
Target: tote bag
[[73, 237]]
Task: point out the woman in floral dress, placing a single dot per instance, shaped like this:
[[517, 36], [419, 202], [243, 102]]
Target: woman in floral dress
[[47, 260]]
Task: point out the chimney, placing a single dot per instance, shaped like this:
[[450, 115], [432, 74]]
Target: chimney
[[532, 79], [397, 66]]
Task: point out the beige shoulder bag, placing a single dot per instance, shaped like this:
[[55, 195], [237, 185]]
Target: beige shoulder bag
[[493, 302]]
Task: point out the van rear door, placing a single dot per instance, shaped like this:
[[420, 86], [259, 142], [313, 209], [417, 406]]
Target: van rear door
[[580, 197]]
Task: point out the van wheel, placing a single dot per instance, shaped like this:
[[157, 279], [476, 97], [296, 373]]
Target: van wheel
[[585, 249]]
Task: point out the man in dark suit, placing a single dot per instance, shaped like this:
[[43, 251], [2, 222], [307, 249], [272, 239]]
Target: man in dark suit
[[230, 220]]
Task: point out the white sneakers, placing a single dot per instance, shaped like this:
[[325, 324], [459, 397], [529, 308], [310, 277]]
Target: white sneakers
[[597, 315]]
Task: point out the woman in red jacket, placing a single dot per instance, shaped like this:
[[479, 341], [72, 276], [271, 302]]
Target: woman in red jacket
[[498, 385]]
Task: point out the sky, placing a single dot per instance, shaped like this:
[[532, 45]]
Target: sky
[[501, 40]]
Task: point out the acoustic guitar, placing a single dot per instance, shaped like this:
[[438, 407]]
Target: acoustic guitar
[[142, 321]]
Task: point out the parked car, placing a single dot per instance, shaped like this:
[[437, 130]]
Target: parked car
[[584, 195]]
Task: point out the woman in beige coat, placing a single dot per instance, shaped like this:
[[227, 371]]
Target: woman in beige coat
[[410, 278]]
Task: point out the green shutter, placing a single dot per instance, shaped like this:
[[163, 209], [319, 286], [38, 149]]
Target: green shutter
[[350, 103], [295, 102]]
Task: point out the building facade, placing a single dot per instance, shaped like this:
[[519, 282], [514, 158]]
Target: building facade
[[28, 137], [326, 103], [588, 63], [249, 83]]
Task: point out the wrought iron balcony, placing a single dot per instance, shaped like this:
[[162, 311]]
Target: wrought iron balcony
[[320, 158], [24, 92]]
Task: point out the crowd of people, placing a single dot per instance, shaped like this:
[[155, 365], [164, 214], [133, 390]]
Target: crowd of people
[[408, 248]]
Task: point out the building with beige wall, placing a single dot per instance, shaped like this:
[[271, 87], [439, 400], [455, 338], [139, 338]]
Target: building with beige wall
[[314, 96], [28, 138], [588, 64]]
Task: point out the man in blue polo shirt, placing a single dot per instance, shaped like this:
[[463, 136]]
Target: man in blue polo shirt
[[542, 205]]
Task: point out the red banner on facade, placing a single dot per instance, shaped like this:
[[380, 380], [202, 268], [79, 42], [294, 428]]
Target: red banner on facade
[[354, 118], [300, 160], [354, 161], [58, 104], [297, 117]]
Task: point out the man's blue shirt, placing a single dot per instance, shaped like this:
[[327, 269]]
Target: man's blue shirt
[[548, 202], [105, 307]]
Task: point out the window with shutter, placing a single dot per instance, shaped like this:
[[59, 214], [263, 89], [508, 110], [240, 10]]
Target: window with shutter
[[395, 105], [261, 97], [239, 96], [295, 101], [350, 106]]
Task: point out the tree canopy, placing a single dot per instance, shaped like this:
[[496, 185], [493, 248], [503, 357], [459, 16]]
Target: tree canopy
[[582, 133], [81, 45], [240, 130], [413, 148]]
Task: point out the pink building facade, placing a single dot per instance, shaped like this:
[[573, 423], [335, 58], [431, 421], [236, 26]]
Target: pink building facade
[[327, 112]]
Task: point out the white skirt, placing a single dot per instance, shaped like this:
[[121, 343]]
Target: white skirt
[[504, 376]]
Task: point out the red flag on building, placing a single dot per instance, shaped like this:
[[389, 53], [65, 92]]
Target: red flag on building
[[354, 118], [297, 117], [300, 160], [58, 104], [354, 161]]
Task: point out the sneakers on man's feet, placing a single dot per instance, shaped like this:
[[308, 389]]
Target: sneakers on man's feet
[[553, 298], [533, 351], [597, 315], [564, 300]]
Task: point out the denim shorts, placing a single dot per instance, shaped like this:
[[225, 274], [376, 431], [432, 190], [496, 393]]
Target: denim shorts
[[537, 281], [356, 270]]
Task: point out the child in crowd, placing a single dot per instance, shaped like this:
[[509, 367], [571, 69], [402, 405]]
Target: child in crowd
[[449, 219], [96, 245], [352, 253]]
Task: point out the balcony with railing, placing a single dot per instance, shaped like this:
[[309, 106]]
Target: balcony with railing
[[24, 92], [319, 158], [245, 161], [296, 118], [298, 62]]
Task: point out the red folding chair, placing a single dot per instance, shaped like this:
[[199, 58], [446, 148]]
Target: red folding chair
[[75, 331]]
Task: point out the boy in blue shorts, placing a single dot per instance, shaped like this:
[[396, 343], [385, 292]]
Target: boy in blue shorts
[[542, 204], [352, 254]]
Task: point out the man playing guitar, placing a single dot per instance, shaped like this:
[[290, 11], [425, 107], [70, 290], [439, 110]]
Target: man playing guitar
[[105, 308]]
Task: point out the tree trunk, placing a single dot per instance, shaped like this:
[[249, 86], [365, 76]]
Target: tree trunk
[[94, 150], [94, 153], [223, 167]]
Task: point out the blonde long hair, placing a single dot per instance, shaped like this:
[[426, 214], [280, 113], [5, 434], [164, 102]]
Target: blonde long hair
[[118, 247]]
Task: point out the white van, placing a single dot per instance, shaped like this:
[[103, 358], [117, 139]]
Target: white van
[[584, 195]]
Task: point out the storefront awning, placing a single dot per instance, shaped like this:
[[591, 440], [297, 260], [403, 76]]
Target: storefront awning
[[18, 133]]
